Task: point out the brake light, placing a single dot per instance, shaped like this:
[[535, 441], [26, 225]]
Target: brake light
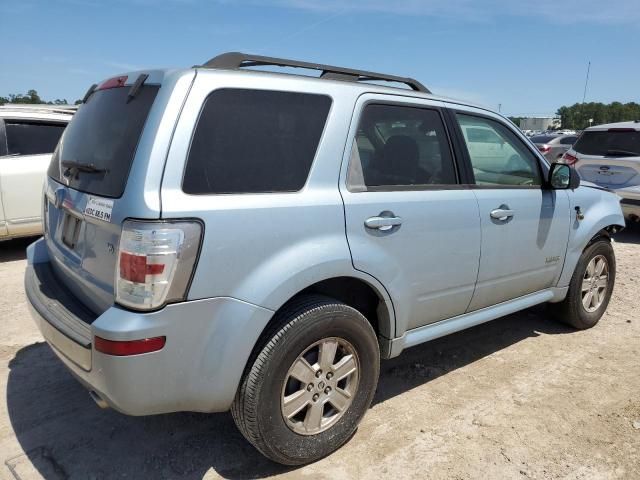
[[122, 348], [155, 262], [621, 130], [115, 82], [544, 148], [569, 159]]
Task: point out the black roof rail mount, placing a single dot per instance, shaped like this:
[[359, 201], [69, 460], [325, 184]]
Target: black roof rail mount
[[237, 60]]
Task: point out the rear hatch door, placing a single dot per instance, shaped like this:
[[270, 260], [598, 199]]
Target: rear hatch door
[[106, 168]]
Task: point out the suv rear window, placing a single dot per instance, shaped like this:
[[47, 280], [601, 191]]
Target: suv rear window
[[32, 138], [255, 141], [613, 143], [542, 138], [103, 134]]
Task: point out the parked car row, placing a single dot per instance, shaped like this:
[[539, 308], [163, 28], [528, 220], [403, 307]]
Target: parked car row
[[28, 136]]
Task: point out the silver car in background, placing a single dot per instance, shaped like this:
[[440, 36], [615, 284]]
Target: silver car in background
[[553, 146], [609, 156]]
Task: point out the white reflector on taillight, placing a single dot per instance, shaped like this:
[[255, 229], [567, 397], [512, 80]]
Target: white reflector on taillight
[[155, 262]]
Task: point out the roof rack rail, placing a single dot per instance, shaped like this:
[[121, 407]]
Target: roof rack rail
[[237, 60]]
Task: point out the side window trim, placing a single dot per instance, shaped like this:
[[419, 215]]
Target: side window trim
[[398, 188], [542, 166], [3, 139]]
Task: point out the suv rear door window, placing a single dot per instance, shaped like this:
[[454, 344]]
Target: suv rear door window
[[614, 143], [254, 141], [398, 146], [32, 138], [104, 135]]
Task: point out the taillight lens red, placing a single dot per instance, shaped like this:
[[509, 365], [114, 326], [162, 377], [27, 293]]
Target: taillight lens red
[[122, 348], [135, 267], [569, 159], [544, 148]]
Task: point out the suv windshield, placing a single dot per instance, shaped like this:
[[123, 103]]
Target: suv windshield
[[97, 148], [609, 143]]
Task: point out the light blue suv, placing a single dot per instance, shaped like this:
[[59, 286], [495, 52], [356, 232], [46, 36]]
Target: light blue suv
[[221, 238]]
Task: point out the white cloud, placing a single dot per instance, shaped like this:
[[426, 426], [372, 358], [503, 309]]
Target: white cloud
[[557, 11], [124, 67]]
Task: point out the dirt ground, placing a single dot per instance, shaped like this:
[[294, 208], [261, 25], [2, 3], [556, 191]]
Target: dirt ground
[[520, 397]]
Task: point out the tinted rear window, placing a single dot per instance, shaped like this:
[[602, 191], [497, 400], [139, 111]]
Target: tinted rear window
[[104, 133], [608, 143], [542, 138], [252, 141], [32, 138]]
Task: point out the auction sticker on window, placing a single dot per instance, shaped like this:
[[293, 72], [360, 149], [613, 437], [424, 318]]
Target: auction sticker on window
[[99, 208]]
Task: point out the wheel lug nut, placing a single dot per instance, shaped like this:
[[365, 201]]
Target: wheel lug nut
[[310, 387], [329, 375], [315, 397], [327, 390], [318, 373]]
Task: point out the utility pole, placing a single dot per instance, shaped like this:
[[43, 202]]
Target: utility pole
[[586, 82], [499, 108]]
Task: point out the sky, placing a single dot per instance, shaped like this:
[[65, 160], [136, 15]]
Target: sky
[[522, 57]]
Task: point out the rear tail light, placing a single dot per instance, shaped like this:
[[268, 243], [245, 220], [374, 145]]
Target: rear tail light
[[155, 262], [569, 159], [544, 148]]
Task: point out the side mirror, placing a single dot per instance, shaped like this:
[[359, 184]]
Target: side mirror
[[563, 177]]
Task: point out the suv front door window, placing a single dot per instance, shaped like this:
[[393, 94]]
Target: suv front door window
[[524, 226]]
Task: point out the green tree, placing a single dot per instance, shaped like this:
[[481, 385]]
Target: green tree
[[31, 97], [577, 115]]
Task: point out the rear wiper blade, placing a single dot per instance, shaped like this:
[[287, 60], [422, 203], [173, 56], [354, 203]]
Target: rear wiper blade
[[137, 85], [621, 153], [81, 167]]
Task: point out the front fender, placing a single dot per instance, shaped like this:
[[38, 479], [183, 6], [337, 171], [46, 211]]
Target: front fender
[[601, 209]]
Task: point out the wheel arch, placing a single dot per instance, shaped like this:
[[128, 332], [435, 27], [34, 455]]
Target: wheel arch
[[357, 290]]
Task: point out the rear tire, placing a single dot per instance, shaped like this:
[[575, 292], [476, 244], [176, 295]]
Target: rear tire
[[287, 403], [590, 288]]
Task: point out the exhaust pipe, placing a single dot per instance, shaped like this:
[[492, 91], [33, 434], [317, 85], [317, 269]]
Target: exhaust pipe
[[98, 399]]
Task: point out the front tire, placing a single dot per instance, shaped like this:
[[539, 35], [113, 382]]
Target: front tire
[[306, 390], [590, 288]]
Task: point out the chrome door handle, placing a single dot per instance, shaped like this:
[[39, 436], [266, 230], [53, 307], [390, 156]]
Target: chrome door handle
[[382, 223], [501, 214]]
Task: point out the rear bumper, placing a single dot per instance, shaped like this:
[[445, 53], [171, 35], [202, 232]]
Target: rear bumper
[[199, 368]]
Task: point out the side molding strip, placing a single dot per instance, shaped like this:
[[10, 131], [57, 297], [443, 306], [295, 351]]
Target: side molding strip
[[467, 320]]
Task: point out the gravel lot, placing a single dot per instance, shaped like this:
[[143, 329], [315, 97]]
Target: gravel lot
[[519, 397]]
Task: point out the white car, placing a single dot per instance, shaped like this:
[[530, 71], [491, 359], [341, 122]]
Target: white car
[[28, 136], [609, 156]]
